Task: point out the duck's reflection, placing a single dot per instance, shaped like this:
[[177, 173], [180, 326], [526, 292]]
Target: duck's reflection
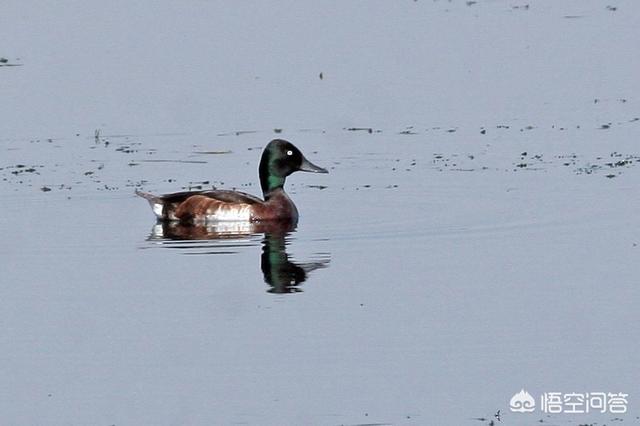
[[282, 274], [279, 272]]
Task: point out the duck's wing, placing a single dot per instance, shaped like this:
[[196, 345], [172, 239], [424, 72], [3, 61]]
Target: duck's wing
[[190, 204], [231, 196]]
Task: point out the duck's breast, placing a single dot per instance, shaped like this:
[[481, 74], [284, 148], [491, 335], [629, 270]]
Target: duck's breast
[[278, 207]]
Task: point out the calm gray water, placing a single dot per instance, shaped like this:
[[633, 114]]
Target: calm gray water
[[476, 235]]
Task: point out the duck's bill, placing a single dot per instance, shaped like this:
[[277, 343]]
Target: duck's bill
[[308, 166]]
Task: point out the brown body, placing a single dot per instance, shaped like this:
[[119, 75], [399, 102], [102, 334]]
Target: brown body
[[219, 205]]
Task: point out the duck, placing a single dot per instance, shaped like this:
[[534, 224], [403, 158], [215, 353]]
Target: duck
[[280, 158]]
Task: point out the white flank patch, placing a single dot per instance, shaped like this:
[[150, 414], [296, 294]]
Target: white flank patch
[[157, 209], [230, 214], [242, 227]]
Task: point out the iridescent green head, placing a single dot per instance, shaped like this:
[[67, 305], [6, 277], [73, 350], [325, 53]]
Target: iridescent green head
[[280, 158]]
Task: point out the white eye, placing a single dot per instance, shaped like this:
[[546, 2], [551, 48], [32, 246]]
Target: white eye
[[289, 152]]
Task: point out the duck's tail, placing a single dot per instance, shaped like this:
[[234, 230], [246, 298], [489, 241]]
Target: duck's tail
[[147, 196], [156, 203]]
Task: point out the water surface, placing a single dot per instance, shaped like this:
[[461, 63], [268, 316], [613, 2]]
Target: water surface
[[476, 235]]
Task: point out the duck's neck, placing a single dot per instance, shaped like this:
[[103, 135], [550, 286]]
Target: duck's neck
[[268, 181]]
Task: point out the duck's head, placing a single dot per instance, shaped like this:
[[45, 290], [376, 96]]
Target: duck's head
[[280, 158]]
